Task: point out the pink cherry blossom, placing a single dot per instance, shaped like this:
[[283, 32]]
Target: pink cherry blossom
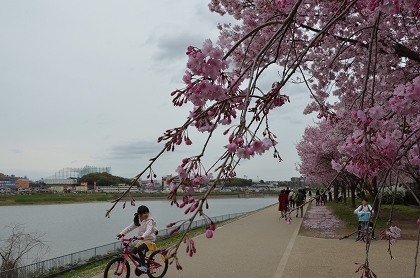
[[232, 147], [257, 146], [243, 153], [188, 141], [209, 233], [181, 172]]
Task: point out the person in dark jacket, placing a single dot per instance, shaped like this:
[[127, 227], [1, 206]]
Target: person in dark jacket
[[300, 202], [317, 197]]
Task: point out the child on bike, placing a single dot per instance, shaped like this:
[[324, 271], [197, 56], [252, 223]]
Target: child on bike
[[364, 207], [145, 224]]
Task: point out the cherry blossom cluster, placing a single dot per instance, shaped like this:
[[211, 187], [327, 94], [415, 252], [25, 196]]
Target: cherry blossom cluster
[[247, 148], [175, 137], [270, 100], [132, 202], [204, 78], [150, 176], [245, 151], [170, 254], [393, 232], [370, 145], [392, 6], [406, 99], [366, 271], [210, 226], [189, 173], [190, 246]]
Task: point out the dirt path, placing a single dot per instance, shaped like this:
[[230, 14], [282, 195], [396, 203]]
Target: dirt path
[[319, 222]]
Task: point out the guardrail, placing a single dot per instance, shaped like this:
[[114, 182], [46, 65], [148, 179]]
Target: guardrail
[[65, 263]]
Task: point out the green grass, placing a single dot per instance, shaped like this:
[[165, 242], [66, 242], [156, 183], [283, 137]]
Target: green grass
[[410, 211], [53, 198], [345, 213]]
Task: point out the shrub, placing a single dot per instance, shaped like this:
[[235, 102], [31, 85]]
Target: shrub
[[388, 194]]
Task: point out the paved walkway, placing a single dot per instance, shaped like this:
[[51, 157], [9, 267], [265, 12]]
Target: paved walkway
[[260, 245]]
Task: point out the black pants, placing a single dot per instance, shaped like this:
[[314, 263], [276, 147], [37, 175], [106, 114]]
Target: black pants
[[362, 224], [141, 250], [292, 203]]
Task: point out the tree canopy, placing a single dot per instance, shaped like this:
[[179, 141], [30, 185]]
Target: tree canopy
[[362, 54], [104, 179]]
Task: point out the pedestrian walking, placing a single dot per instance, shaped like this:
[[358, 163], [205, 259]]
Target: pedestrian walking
[[323, 197], [283, 202], [292, 196], [317, 197], [299, 203]]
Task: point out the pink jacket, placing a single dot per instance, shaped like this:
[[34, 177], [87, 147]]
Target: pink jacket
[[145, 229]]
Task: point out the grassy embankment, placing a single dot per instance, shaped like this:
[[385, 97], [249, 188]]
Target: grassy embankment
[[345, 213], [69, 198]]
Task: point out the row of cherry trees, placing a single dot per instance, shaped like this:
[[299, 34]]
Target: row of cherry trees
[[365, 53]]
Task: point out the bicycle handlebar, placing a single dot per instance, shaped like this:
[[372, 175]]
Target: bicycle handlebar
[[125, 239]]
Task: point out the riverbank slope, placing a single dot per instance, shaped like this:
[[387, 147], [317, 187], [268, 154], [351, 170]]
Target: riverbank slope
[[70, 198]]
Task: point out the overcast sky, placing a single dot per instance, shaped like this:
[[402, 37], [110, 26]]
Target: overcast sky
[[89, 83]]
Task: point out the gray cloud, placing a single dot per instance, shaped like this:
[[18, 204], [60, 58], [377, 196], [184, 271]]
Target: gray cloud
[[173, 47], [135, 150]]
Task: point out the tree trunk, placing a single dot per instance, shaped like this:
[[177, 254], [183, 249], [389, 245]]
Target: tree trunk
[[336, 192], [343, 191], [373, 190], [353, 195]]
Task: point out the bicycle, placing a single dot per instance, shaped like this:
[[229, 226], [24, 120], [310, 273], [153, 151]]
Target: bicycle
[[365, 229], [156, 263]]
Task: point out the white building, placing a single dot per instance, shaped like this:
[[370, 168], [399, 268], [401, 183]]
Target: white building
[[116, 188]]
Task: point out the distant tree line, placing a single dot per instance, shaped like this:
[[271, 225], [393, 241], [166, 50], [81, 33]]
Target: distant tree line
[[103, 179], [238, 182]]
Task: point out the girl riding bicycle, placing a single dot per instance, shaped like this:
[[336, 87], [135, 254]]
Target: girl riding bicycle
[[364, 207], [146, 232]]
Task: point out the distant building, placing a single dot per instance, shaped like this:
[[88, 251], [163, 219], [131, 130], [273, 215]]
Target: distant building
[[175, 180], [115, 189], [144, 183], [7, 181], [296, 182], [4, 177], [73, 188], [22, 183], [60, 181], [69, 176]]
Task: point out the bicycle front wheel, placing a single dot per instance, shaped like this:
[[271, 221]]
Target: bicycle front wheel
[[157, 265], [117, 268]]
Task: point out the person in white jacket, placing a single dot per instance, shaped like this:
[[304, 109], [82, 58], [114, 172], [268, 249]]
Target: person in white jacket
[[364, 207], [146, 232]]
